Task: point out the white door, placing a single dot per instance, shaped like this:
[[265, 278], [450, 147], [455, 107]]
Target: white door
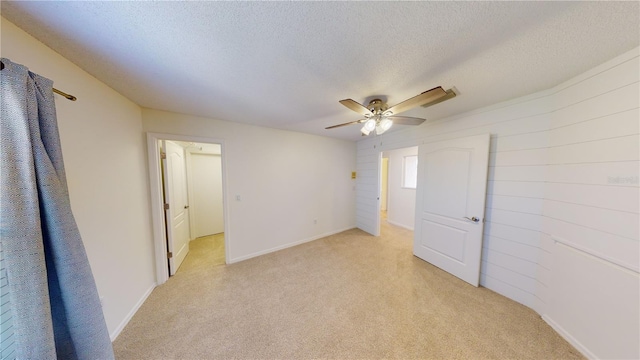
[[176, 213], [207, 209], [452, 182]]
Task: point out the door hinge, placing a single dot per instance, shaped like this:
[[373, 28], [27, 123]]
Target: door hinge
[[163, 155], [166, 206], [169, 255]]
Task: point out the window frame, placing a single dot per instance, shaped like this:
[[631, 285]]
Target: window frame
[[405, 175]]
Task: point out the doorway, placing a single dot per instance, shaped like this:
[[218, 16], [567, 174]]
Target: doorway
[[204, 174], [205, 207], [398, 169], [449, 187]]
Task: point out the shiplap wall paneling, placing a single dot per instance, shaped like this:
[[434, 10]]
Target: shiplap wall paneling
[[597, 304], [367, 179], [591, 217]]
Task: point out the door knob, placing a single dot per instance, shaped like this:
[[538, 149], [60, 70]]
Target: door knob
[[186, 206], [474, 219]]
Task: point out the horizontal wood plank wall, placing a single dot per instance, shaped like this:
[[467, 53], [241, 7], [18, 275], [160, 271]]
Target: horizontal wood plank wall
[[367, 168], [545, 148], [590, 234]]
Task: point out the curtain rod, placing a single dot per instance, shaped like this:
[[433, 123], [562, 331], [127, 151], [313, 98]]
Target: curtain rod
[[67, 96]]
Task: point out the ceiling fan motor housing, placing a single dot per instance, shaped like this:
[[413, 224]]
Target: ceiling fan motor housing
[[377, 106]]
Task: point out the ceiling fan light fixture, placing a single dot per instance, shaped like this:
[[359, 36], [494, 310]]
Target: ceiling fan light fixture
[[386, 123], [369, 125], [365, 131], [383, 125]]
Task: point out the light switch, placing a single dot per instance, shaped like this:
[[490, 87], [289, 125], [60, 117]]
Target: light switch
[[238, 198]]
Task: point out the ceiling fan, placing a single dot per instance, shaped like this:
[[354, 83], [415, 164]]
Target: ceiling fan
[[379, 117]]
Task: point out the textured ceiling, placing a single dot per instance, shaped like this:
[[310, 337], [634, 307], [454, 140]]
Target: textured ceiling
[[286, 64]]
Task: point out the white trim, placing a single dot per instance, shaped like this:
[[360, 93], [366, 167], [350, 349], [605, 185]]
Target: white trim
[[155, 188], [400, 225], [378, 190], [570, 339], [132, 312], [187, 164], [285, 246], [157, 215]]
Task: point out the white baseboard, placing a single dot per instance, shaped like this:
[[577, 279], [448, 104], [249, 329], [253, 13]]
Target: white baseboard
[[399, 225], [133, 311], [573, 341], [281, 247]]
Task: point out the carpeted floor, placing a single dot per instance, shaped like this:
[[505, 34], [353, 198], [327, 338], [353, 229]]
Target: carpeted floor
[[347, 296], [204, 252]]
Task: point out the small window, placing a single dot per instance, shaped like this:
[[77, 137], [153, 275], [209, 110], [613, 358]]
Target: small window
[[410, 172]]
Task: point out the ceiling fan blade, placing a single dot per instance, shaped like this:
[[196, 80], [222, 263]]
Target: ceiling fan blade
[[427, 96], [407, 120], [345, 124], [450, 94], [356, 106]]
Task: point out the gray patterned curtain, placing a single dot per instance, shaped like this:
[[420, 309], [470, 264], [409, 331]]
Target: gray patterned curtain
[[54, 306]]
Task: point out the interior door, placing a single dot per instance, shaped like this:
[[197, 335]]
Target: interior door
[[207, 210], [176, 212], [451, 191]]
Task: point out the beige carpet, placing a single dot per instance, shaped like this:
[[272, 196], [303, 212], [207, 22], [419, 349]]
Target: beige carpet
[[347, 296], [204, 252]]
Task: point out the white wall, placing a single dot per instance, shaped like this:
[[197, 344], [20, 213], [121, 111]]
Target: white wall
[[285, 181], [401, 204], [204, 183], [555, 156], [104, 155], [205, 193]]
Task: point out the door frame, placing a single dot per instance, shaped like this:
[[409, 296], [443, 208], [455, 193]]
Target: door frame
[[157, 203], [389, 151], [378, 223]]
